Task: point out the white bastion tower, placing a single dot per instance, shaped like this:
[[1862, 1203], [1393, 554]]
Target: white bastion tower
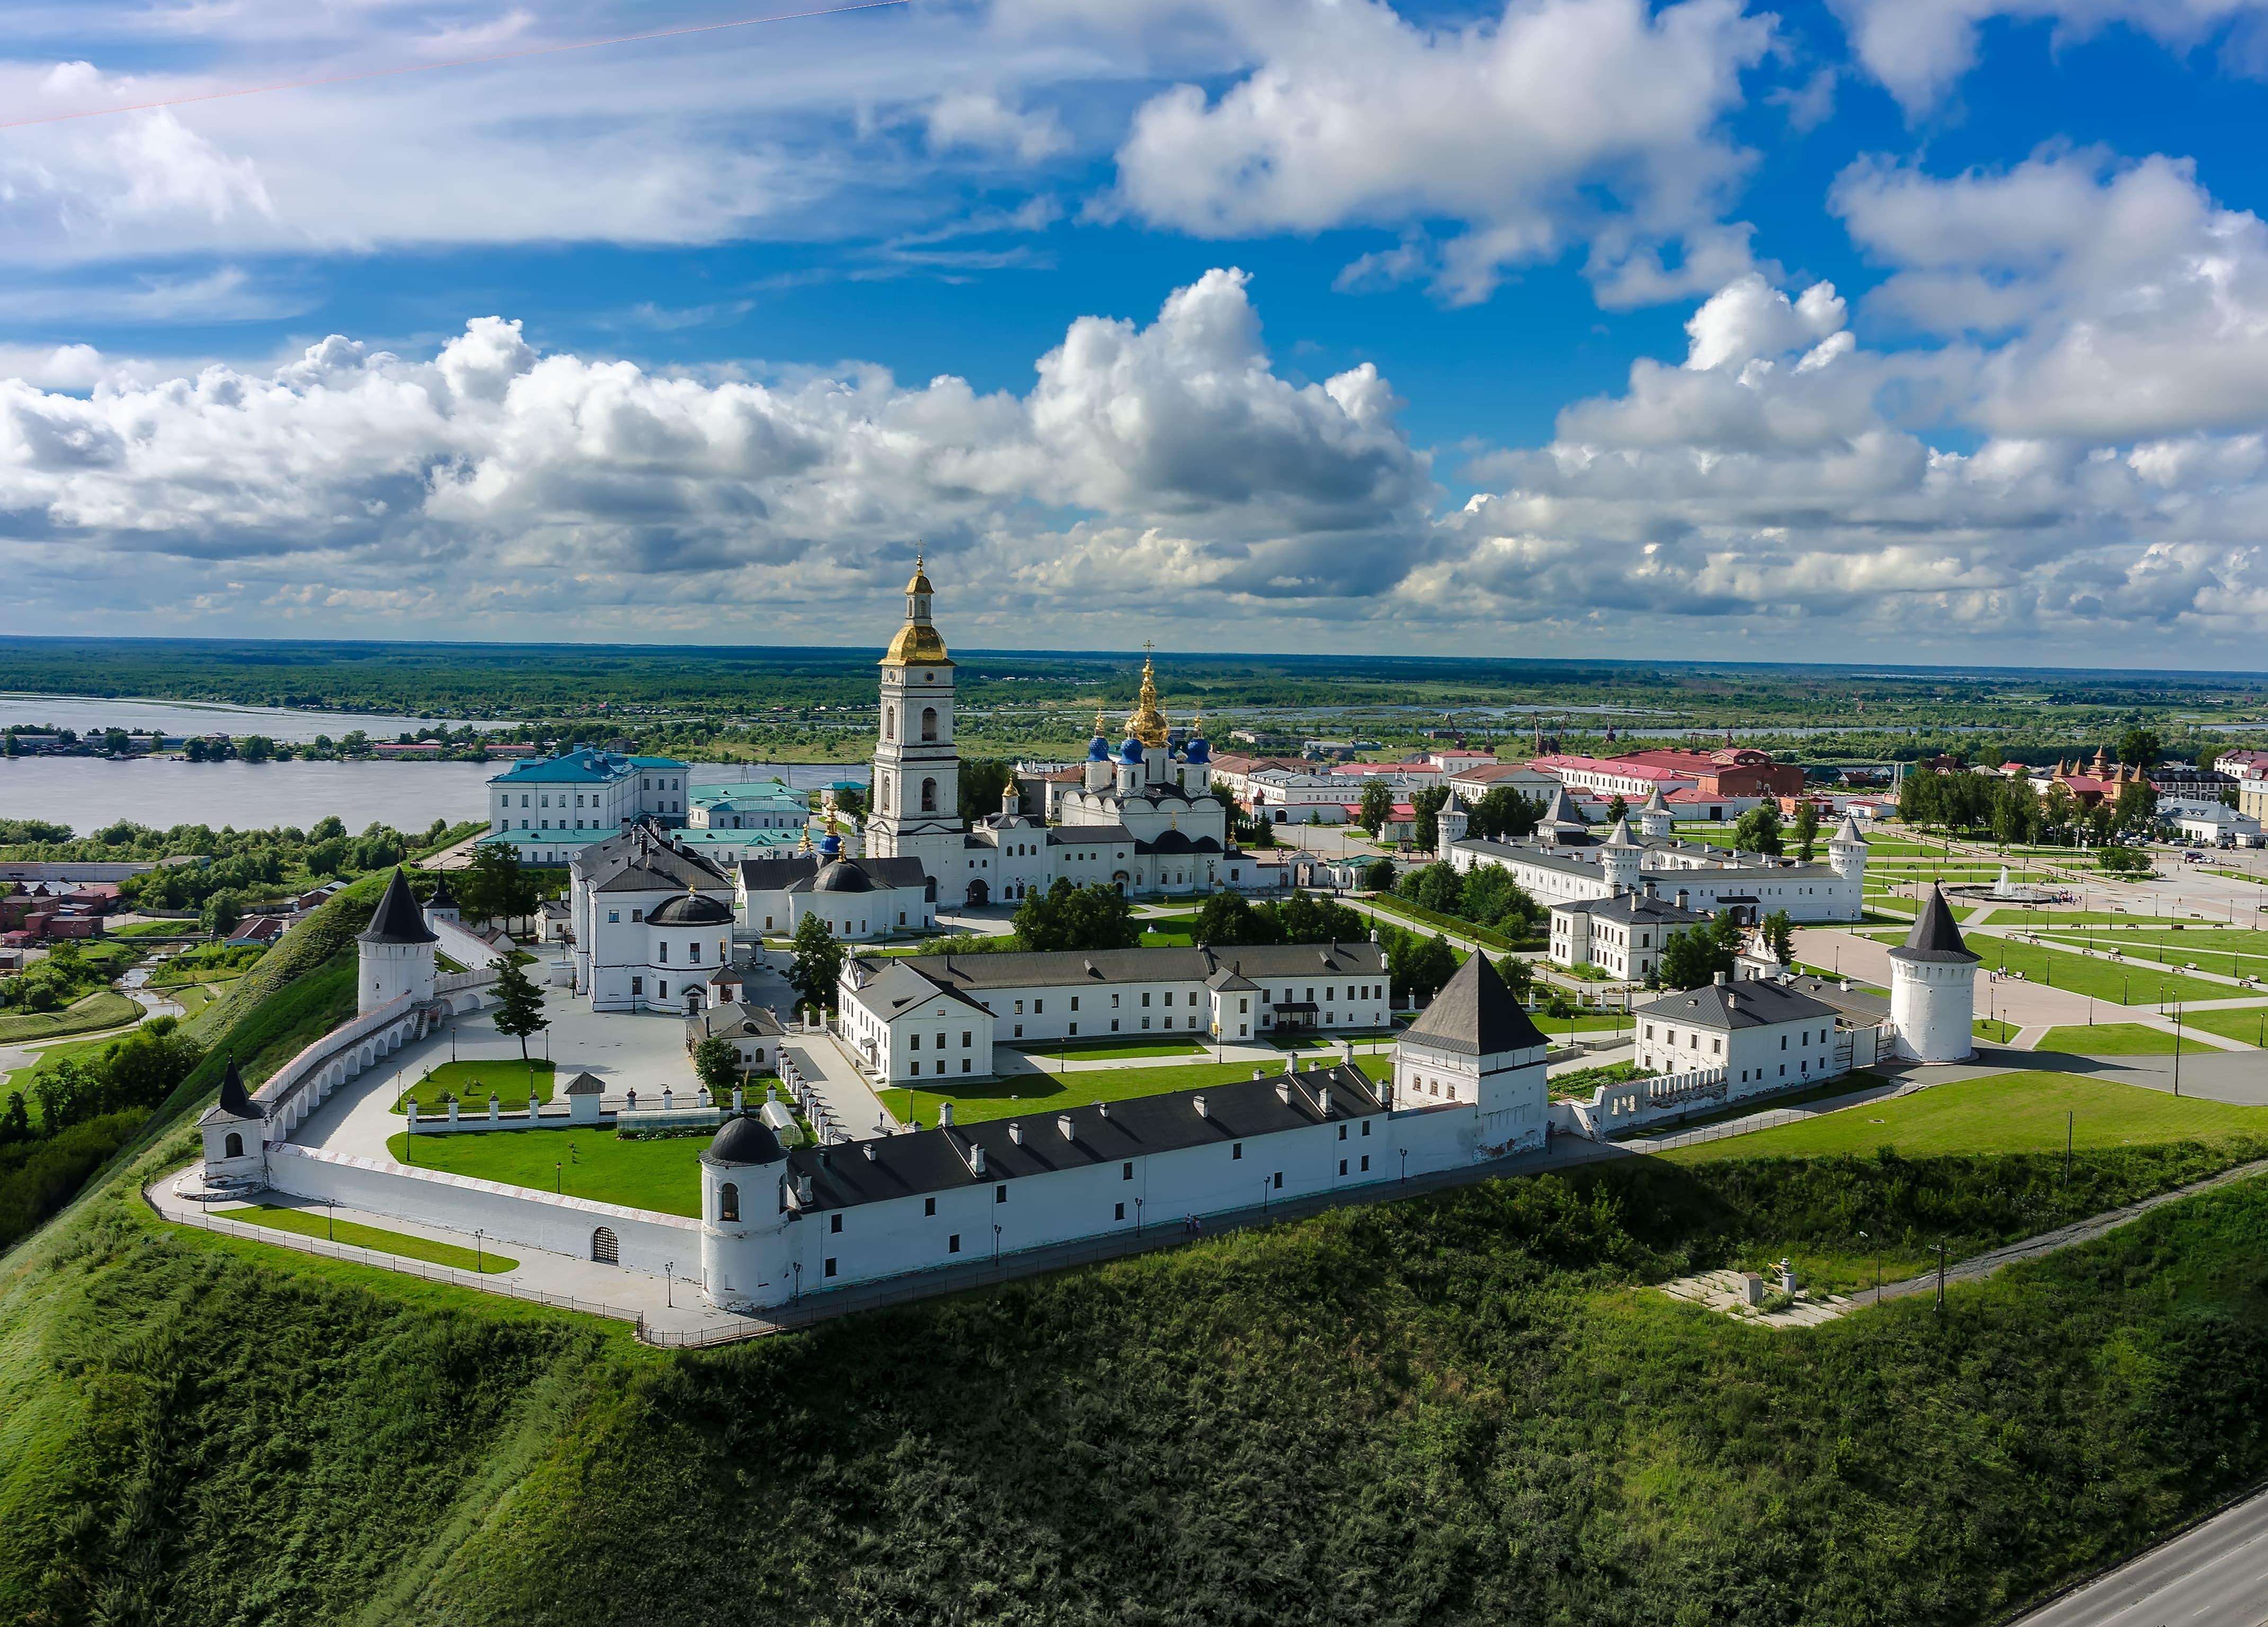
[[396, 951], [1933, 988]]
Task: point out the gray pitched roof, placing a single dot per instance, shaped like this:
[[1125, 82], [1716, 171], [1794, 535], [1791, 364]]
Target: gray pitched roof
[[1936, 936], [398, 918], [1053, 968], [585, 1085], [235, 1102], [1475, 1016], [1757, 1002], [1629, 908], [933, 1160]]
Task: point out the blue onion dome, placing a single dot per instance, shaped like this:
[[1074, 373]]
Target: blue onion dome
[[1197, 750], [830, 847], [1098, 750], [1130, 750]]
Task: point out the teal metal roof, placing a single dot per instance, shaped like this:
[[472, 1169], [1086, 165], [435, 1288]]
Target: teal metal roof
[[587, 767]]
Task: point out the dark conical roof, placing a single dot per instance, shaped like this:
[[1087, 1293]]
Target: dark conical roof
[[1475, 1015], [745, 1141], [234, 1100], [398, 919], [1935, 936], [442, 898]]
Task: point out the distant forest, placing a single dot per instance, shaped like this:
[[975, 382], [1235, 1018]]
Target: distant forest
[[819, 702]]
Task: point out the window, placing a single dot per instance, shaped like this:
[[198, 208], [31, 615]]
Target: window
[[1146, 997], [1169, 997], [964, 1039], [637, 988], [964, 1064], [1236, 1150], [834, 1223], [1114, 1004], [929, 1206], [693, 952], [728, 1202], [1280, 1180], [1000, 1193], [1019, 1030], [1365, 1157], [1039, 1006], [830, 1266], [913, 1041], [1121, 1214], [929, 796], [1126, 1170], [1342, 1166], [1342, 1133], [952, 1243], [233, 1147], [889, 722], [1114, 1025], [940, 1042], [1074, 1002], [929, 723], [605, 1250], [1366, 1126], [637, 915], [1783, 1042]]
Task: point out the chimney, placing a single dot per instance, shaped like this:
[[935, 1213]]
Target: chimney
[[1062, 1126], [1323, 1100], [1283, 1090], [1649, 886], [868, 1148], [1103, 1108], [977, 1158], [1720, 980], [802, 1189], [1016, 1133], [944, 1115], [1259, 1073], [1198, 1103]]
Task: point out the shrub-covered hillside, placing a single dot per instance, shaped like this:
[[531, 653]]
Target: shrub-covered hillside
[[1454, 1409]]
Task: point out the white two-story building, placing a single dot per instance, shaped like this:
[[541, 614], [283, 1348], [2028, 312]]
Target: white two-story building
[[550, 810]]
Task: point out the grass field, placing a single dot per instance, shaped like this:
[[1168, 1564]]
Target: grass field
[[661, 1175], [2177, 956], [2249, 1023], [315, 1223], [2133, 986], [2009, 1113], [1589, 1024], [2011, 915], [1110, 1051], [2115, 1039], [471, 1084], [2000, 1033], [1012, 1098], [103, 1008]]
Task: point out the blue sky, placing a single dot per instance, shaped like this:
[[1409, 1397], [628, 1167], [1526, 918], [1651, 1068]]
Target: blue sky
[[1932, 328]]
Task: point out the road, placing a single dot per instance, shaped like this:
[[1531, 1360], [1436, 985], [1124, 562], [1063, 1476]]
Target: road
[[2214, 1576]]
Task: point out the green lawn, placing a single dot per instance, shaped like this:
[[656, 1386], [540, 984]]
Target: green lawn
[[2132, 986], [103, 1008], [2011, 915], [2113, 1039], [1110, 1051], [2137, 948], [2249, 1023], [158, 929], [472, 1082], [2009, 1113], [316, 1223], [1589, 1024], [1999, 1033], [1177, 939], [661, 1175], [1030, 1093]]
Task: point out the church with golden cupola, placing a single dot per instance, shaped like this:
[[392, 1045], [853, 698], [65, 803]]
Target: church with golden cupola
[[1142, 818]]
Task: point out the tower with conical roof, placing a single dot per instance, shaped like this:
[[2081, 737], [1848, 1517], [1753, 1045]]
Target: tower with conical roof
[[235, 1133], [1846, 852], [917, 791], [395, 950], [1622, 858], [1655, 820], [1475, 1046], [1933, 988], [1450, 821]]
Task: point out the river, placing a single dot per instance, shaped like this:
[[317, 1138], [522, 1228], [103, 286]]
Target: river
[[184, 718], [87, 793]]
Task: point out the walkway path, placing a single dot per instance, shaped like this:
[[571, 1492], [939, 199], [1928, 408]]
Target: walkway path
[[2215, 1575]]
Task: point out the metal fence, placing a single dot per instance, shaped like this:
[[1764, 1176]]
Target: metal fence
[[1746, 1125]]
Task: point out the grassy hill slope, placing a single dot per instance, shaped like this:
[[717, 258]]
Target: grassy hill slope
[[1459, 1408]]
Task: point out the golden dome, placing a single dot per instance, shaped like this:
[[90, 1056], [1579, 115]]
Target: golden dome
[[917, 644], [1146, 724], [920, 583]]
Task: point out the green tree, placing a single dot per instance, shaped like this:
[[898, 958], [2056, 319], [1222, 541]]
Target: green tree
[[1502, 815], [258, 749], [1304, 918], [1807, 830], [1519, 976], [496, 884], [2141, 748], [1617, 809], [1377, 805], [1688, 959], [1377, 874], [1425, 803], [2136, 810], [1757, 830], [1436, 886], [717, 1064], [818, 965], [1419, 963], [520, 1005], [222, 914], [2015, 812], [983, 780], [1491, 898], [1229, 918]]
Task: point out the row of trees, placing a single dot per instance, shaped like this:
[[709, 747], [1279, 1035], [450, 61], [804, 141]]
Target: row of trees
[[2013, 812], [1486, 896], [1697, 955], [1229, 918], [132, 1074]]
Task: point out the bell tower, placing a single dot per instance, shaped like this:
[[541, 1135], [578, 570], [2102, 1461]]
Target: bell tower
[[916, 790]]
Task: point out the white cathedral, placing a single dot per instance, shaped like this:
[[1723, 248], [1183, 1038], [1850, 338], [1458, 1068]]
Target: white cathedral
[[1143, 817]]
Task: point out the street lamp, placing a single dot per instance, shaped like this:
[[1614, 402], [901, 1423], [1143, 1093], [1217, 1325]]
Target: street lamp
[[479, 1269], [996, 1243], [669, 1271]]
